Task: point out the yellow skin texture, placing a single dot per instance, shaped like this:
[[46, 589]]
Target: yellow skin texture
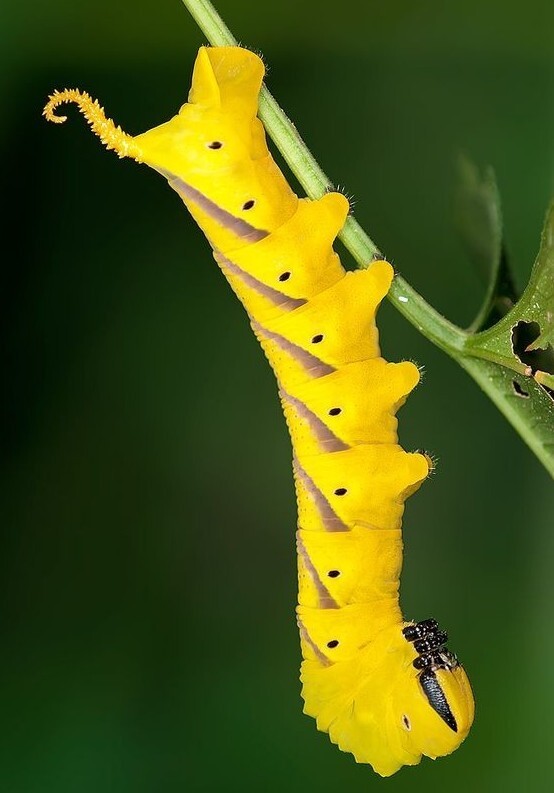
[[316, 324]]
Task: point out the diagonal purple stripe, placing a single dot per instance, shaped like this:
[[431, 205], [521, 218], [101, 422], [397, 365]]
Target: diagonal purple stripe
[[330, 519], [229, 222], [326, 601], [308, 639], [309, 362], [323, 434], [276, 297]]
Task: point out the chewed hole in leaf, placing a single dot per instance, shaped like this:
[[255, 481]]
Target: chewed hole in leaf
[[524, 334], [519, 391]]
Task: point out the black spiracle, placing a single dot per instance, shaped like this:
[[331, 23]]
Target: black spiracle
[[429, 643]]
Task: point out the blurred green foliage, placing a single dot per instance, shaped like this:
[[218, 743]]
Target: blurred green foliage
[[148, 514]]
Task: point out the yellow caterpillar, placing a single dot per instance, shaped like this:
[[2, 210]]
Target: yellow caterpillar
[[386, 690]]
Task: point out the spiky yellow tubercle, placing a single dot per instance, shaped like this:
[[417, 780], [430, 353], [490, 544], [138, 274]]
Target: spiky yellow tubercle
[[111, 135]]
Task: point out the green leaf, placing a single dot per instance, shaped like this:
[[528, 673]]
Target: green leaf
[[526, 405], [513, 361], [478, 219], [523, 339]]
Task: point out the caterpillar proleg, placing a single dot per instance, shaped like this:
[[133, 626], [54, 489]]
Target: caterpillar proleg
[[386, 690]]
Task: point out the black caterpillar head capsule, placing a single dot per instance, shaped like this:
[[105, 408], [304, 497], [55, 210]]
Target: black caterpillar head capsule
[[434, 706], [419, 630]]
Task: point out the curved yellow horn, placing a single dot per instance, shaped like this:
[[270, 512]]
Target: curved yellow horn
[[111, 135]]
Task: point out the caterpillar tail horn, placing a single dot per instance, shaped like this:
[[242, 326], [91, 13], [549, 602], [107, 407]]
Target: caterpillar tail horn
[[112, 136]]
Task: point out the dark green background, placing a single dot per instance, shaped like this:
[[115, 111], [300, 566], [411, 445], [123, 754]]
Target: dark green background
[[148, 514]]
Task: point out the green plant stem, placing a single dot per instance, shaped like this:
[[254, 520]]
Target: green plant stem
[[496, 382], [314, 181]]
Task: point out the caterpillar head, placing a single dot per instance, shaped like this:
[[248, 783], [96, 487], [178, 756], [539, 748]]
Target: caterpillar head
[[433, 705], [436, 710], [213, 152], [392, 703]]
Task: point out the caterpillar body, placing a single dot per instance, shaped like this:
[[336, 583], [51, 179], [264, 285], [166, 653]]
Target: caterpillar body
[[385, 689]]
